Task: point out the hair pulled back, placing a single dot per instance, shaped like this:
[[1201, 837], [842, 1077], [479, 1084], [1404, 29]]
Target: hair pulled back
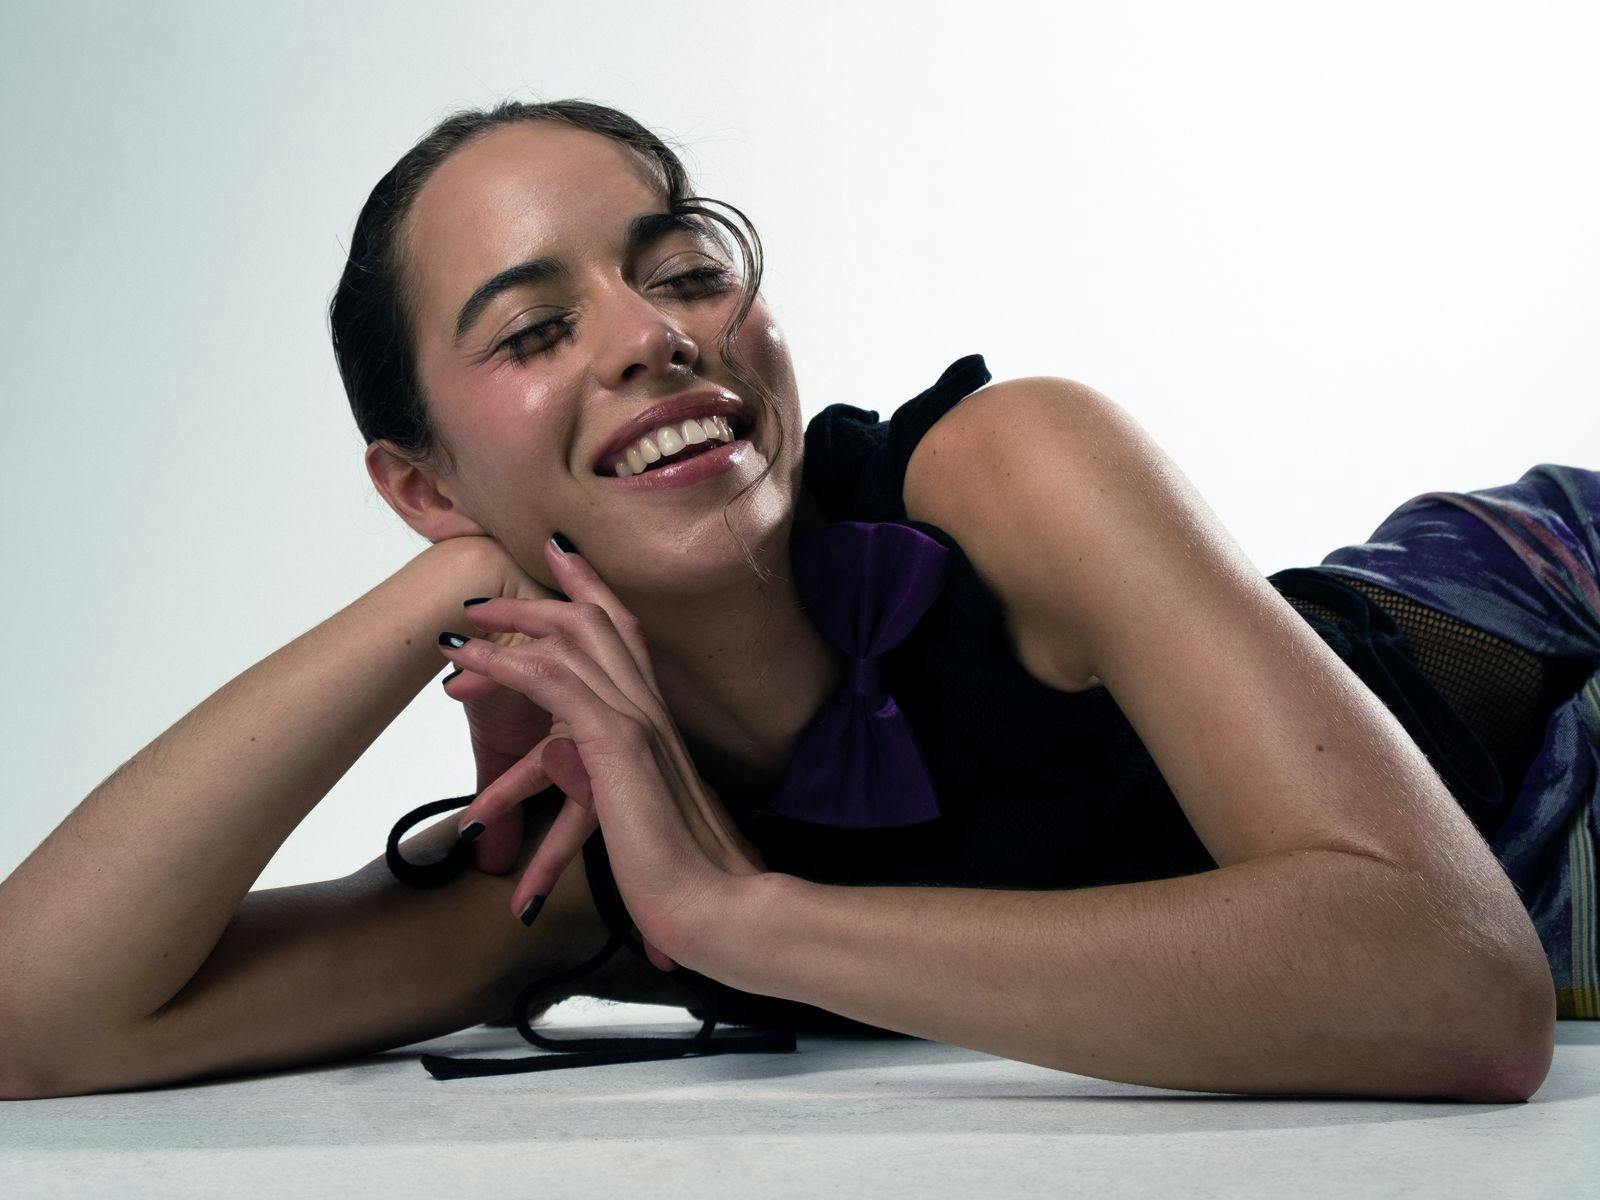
[[369, 316]]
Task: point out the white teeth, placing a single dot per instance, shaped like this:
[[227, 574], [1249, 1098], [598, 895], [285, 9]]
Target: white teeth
[[670, 439]]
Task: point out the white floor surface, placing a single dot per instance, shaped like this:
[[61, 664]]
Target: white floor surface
[[841, 1116]]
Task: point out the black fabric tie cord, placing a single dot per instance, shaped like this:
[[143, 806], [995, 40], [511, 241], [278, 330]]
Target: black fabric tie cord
[[574, 1052]]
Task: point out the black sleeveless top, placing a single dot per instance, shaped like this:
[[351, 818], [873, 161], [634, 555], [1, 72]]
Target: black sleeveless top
[[1038, 788]]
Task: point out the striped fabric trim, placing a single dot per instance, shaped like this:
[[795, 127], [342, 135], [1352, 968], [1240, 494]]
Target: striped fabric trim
[[1582, 999]]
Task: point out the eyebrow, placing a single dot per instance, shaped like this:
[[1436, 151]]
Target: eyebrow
[[643, 230]]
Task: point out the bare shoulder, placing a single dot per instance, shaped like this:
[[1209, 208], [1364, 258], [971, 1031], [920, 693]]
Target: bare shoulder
[[1111, 559], [972, 473]]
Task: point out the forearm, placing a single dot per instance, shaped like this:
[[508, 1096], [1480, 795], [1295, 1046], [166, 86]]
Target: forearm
[[1310, 972], [118, 908]]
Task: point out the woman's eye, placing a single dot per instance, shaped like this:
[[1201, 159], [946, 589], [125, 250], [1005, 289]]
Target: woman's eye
[[529, 343], [519, 346], [702, 275]]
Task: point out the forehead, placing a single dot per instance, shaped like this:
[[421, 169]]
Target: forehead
[[515, 192]]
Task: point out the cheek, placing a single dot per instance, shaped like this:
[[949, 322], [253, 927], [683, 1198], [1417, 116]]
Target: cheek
[[483, 406], [762, 345], [501, 425]]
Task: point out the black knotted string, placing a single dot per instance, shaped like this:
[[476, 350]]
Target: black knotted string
[[574, 1052]]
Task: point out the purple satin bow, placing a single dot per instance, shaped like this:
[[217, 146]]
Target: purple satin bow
[[866, 584]]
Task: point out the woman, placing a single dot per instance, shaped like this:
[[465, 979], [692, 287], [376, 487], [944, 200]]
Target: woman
[[1122, 809]]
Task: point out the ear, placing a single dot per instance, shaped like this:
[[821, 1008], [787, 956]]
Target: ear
[[414, 493]]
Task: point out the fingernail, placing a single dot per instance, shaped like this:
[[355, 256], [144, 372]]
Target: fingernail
[[471, 832], [476, 600], [449, 677], [563, 543], [453, 640], [532, 911]]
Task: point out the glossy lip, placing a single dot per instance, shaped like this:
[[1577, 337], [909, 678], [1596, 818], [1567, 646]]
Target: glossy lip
[[706, 465], [704, 402]]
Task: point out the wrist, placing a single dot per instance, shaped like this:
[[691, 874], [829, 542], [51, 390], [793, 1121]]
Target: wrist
[[437, 581], [480, 558], [736, 938], [476, 561]]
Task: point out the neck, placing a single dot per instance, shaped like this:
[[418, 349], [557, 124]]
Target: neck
[[746, 692]]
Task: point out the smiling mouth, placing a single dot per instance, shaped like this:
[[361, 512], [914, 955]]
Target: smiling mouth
[[742, 426]]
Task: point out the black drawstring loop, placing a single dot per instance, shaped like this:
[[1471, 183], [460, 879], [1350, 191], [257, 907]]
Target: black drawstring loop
[[598, 1051], [433, 874], [585, 1051]]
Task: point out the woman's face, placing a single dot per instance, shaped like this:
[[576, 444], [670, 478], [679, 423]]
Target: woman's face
[[524, 434]]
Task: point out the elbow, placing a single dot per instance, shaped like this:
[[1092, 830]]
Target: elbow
[[1530, 1058], [1517, 1055], [1527, 1063], [1479, 981], [26, 1075], [17, 1082], [14, 1087], [27, 1072], [1513, 1082], [27, 1082]]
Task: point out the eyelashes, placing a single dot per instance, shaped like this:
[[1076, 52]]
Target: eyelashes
[[529, 343]]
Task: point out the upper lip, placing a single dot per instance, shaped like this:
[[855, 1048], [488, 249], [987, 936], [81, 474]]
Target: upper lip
[[702, 402]]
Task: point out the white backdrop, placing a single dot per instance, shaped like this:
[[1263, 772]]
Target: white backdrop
[[1330, 256]]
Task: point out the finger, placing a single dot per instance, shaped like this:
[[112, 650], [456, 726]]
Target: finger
[[503, 726], [561, 843], [657, 959], [618, 747], [467, 685], [578, 578], [497, 849], [571, 828], [566, 767], [525, 777], [602, 660], [587, 627], [565, 682], [548, 668]]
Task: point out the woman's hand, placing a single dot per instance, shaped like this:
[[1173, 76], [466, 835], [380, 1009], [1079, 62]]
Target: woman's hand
[[502, 723], [507, 728], [674, 849]]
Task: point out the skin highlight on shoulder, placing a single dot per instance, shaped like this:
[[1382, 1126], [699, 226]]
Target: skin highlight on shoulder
[[955, 479]]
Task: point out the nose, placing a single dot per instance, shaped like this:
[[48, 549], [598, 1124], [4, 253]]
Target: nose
[[641, 339]]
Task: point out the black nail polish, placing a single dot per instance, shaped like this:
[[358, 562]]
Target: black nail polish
[[532, 911], [453, 640], [476, 600], [471, 832], [449, 677], [563, 543]]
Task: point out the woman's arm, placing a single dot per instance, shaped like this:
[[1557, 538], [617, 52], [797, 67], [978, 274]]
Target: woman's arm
[[118, 908], [1359, 935], [1302, 972]]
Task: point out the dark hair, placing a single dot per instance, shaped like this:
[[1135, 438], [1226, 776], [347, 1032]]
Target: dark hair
[[369, 315]]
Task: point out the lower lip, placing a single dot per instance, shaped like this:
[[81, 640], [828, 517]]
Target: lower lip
[[706, 465]]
